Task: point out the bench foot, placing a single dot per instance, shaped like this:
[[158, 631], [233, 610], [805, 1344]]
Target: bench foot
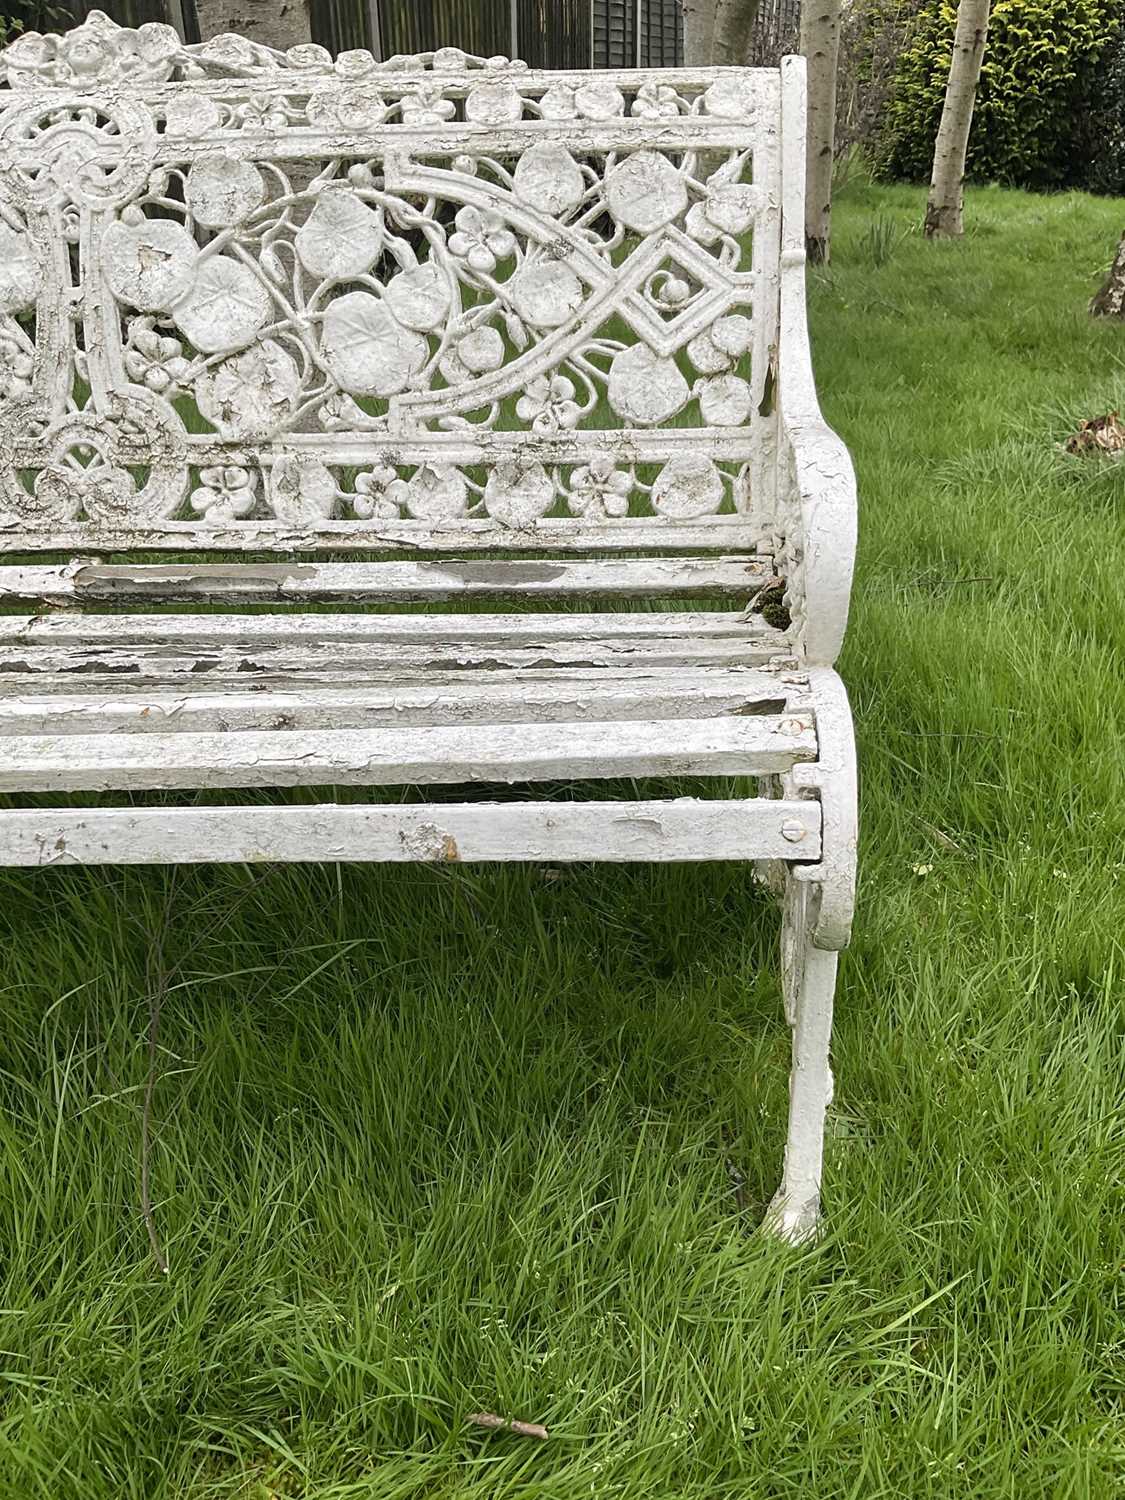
[[808, 986]]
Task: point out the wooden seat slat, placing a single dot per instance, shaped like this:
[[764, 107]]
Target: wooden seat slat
[[484, 698], [350, 661], [74, 628], [683, 829], [388, 582], [730, 746]]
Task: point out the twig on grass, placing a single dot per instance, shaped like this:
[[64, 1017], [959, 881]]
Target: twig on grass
[[504, 1424]]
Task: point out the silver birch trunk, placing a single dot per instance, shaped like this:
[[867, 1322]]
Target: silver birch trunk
[[1109, 299], [699, 32], [943, 210], [820, 43], [274, 23], [733, 35]]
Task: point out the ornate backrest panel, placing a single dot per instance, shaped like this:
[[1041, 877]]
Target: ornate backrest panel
[[252, 299]]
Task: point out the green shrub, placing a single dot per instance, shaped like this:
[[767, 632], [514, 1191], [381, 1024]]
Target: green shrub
[[1039, 84]]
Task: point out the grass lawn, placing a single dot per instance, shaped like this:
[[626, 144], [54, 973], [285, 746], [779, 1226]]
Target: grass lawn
[[434, 1142]]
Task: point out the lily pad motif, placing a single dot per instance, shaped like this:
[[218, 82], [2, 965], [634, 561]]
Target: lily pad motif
[[436, 493], [481, 351], [732, 206], [720, 347], [645, 192], [368, 352], [549, 179], [149, 263], [221, 191], [250, 395], [419, 298], [517, 494], [191, 114], [644, 387], [724, 401], [21, 271], [546, 293], [731, 98], [341, 238], [226, 307], [687, 487], [302, 490], [493, 104]]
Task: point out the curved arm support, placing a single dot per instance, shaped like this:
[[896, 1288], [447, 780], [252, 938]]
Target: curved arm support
[[822, 498]]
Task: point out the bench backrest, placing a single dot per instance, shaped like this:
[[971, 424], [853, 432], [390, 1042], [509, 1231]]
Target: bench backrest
[[259, 300]]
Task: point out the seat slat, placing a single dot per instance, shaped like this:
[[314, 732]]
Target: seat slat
[[731, 746], [685, 829], [66, 626], [496, 698], [391, 582], [351, 661]]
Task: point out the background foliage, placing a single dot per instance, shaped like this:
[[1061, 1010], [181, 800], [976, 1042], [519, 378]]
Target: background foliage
[[1050, 110]]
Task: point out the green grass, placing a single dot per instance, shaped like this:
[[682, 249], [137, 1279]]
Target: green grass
[[431, 1142]]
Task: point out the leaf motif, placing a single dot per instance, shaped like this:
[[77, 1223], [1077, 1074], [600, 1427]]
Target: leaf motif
[[366, 350], [518, 494], [302, 490], [419, 298], [221, 190], [549, 178], [687, 487], [644, 387], [149, 265], [724, 401], [436, 494], [226, 307], [250, 395], [645, 192], [21, 271], [342, 237], [493, 104], [546, 293]]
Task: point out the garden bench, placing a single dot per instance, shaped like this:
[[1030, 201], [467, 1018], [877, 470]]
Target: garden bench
[[434, 421]]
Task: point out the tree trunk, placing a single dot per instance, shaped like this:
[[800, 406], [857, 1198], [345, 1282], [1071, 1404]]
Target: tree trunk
[[274, 23], [733, 36], [699, 32], [820, 43], [1109, 300], [943, 211]]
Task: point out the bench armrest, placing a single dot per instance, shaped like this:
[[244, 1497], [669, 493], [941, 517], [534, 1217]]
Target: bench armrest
[[818, 496]]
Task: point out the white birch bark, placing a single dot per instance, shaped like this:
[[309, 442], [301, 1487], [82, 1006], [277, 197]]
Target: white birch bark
[[274, 23], [733, 35], [1109, 300], [699, 32], [820, 43], [943, 210]]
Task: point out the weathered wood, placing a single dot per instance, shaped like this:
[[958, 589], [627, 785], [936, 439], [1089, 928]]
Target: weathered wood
[[444, 833], [757, 745], [353, 661], [73, 628], [391, 582], [490, 697]]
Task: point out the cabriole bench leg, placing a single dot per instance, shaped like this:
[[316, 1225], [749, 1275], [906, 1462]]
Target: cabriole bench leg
[[808, 985]]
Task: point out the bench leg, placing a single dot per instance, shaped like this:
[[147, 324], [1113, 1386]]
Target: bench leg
[[808, 986]]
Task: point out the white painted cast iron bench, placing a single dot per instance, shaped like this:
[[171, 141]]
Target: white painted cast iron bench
[[480, 334]]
